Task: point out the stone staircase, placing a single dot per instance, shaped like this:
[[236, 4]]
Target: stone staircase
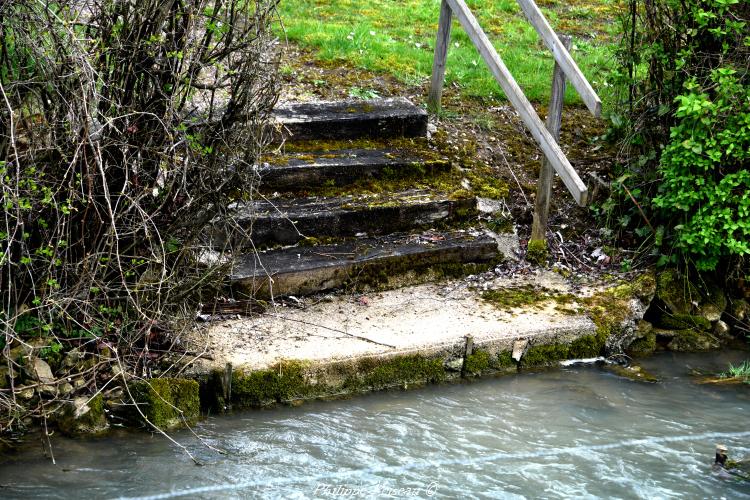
[[356, 197]]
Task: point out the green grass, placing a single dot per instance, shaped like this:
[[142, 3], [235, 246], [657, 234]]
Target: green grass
[[741, 371], [398, 38]]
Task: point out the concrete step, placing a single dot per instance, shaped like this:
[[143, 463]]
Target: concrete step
[[351, 119], [343, 167], [289, 221], [361, 262]]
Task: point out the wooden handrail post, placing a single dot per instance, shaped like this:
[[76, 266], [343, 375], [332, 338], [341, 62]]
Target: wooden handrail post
[[563, 58], [538, 242], [519, 101], [439, 60]]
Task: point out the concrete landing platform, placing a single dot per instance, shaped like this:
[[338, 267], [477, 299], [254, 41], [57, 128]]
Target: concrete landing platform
[[431, 320]]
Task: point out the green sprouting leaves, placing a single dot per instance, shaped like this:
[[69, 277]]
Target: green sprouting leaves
[[704, 167]]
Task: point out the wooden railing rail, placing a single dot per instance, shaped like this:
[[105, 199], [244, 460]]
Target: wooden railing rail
[[504, 78]]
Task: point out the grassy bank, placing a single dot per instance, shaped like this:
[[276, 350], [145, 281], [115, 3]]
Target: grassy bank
[[398, 38]]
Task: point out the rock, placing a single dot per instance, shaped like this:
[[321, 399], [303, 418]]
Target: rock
[[455, 365], [684, 321], [66, 389], [676, 292], [38, 370], [632, 372], [721, 329], [6, 374], [740, 309], [644, 343], [519, 348], [167, 403], [73, 357], [83, 415], [26, 394], [689, 340], [714, 303]]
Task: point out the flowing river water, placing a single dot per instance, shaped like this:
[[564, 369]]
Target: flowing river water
[[574, 432]]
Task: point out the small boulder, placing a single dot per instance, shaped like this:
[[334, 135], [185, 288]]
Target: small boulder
[[644, 343], [676, 292], [40, 371], [721, 329], [714, 303], [166, 402], [740, 309], [690, 340], [83, 415]]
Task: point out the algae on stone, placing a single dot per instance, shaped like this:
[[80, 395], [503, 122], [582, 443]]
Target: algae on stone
[[83, 416], [167, 402], [477, 362], [283, 382]]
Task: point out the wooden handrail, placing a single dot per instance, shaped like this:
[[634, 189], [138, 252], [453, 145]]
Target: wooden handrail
[[512, 90], [562, 56]]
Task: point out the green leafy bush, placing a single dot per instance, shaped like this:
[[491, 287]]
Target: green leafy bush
[[683, 82], [705, 177]]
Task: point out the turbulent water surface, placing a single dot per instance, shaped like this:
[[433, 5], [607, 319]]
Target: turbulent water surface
[[574, 432]]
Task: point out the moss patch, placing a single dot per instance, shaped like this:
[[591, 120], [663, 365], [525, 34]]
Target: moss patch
[[544, 355], [684, 321], [643, 346], [536, 252], [524, 296], [377, 374], [167, 402], [283, 382], [503, 361], [676, 291], [690, 340], [477, 362]]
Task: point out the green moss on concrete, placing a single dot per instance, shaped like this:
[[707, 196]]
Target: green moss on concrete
[[410, 271], [477, 362], [503, 361], [544, 355], [283, 382], [377, 374], [167, 402], [524, 296], [588, 346], [536, 252], [509, 298], [684, 321]]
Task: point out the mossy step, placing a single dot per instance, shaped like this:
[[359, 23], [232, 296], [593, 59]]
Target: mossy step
[[351, 119], [343, 167], [289, 221], [362, 262]]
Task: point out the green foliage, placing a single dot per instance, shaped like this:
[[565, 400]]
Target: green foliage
[[741, 371], [685, 131], [704, 167]]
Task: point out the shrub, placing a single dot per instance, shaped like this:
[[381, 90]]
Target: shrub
[[125, 125]]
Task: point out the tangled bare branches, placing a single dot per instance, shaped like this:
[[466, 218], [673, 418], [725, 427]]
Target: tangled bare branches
[[125, 125]]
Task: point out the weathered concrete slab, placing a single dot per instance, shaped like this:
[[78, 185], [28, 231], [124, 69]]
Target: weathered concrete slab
[[431, 320], [288, 221], [351, 119], [305, 270], [343, 167]]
